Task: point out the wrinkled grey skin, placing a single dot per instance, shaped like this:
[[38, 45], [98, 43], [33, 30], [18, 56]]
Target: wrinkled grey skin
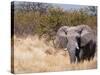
[[80, 41]]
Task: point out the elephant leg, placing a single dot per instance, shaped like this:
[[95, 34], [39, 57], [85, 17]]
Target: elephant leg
[[81, 55], [72, 57], [77, 55]]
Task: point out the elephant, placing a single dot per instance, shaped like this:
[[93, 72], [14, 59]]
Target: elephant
[[79, 41]]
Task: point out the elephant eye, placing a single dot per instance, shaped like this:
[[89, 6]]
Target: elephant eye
[[66, 33]]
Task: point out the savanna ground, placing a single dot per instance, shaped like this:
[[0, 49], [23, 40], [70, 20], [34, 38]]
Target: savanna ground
[[35, 53], [32, 54]]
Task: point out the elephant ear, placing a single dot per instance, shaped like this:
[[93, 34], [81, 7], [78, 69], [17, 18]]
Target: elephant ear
[[61, 37], [85, 35], [61, 41]]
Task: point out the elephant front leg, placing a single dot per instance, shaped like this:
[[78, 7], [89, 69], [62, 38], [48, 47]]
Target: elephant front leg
[[77, 54], [81, 55]]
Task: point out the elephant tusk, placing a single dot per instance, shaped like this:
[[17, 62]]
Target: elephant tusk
[[65, 49], [77, 47]]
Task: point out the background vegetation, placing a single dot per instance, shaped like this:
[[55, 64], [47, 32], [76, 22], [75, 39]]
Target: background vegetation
[[45, 19]]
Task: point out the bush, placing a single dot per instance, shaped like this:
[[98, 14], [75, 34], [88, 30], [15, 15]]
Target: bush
[[35, 22]]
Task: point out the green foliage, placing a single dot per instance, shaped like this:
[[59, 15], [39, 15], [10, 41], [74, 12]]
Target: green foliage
[[35, 22]]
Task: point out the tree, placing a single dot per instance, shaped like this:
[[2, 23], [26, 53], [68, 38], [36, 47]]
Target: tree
[[31, 6], [93, 10]]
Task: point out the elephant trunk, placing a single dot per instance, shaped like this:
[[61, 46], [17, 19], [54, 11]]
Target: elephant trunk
[[73, 50]]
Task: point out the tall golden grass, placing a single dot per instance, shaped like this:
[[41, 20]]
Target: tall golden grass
[[32, 54]]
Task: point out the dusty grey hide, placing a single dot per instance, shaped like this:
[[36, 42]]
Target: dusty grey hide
[[80, 41]]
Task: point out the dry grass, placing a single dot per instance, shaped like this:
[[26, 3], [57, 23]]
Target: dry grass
[[33, 55]]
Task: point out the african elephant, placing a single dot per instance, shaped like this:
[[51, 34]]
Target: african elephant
[[80, 41]]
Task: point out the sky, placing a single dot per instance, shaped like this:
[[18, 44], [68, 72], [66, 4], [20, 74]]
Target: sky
[[65, 6], [70, 6]]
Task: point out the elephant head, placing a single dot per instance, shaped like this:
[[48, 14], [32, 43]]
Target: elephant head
[[78, 40]]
